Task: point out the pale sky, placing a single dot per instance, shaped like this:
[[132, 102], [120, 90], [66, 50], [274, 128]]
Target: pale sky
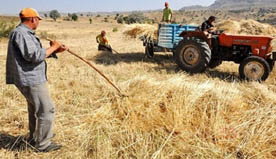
[[70, 6]]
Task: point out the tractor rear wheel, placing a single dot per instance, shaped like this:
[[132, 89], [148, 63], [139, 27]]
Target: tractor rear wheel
[[254, 68], [193, 55]]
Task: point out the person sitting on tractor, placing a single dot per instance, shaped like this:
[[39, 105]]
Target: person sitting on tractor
[[167, 14], [208, 26], [103, 42], [209, 29]]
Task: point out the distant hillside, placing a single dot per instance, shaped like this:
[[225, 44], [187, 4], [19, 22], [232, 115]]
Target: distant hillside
[[194, 7], [234, 4], [238, 4]]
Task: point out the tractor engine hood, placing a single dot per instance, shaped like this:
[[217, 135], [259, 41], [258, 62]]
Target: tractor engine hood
[[260, 45]]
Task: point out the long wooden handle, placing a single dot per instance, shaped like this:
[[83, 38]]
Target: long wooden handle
[[115, 51], [91, 65]]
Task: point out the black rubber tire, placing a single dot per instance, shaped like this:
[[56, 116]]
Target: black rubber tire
[[271, 64], [149, 50], [256, 59], [214, 63], [174, 54], [203, 50]]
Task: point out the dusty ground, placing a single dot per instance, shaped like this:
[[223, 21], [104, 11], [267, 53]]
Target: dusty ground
[[167, 114]]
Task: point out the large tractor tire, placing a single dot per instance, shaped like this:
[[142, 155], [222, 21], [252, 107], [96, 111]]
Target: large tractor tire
[[149, 50], [193, 55], [254, 68]]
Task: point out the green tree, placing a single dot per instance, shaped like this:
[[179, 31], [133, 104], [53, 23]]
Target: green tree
[[120, 19], [54, 14], [74, 17], [106, 19], [132, 18], [6, 28], [117, 15]]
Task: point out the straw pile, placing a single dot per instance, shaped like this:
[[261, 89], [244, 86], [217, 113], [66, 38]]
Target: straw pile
[[246, 27], [140, 30]]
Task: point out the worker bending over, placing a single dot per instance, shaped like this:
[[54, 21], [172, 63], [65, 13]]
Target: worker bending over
[[103, 42]]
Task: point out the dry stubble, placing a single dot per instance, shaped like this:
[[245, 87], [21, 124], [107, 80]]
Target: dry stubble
[[167, 114]]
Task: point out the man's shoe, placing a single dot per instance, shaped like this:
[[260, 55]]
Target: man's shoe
[[31, 141], [51, 147]]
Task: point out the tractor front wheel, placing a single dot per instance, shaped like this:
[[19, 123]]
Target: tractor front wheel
[[254, 68]]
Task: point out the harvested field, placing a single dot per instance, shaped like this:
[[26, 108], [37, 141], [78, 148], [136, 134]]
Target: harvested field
[[168, 113]]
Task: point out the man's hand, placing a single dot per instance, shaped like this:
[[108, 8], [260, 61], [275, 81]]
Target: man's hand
[[55, 45], [212, 29], [58, 47], [61, 49]]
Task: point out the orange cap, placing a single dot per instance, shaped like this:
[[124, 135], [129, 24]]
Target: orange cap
[[29, 13]]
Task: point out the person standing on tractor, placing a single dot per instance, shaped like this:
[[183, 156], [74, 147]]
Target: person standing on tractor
[[103, 42], [208, 26], [167, 14], [26, 69]]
